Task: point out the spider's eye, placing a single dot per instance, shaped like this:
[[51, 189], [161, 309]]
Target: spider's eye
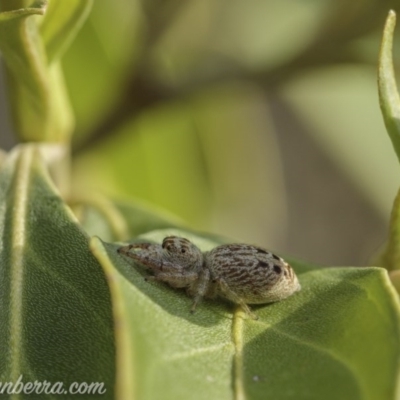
[[277, 269], [183, 251], [169, 248]]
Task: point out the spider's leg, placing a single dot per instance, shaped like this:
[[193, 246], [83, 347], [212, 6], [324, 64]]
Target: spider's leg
[[231, 295], [201, 288]]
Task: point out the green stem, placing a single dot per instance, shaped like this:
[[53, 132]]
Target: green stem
[[388, 95]]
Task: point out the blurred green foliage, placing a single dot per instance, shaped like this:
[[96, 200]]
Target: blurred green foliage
[[181, 95], [187, 96]]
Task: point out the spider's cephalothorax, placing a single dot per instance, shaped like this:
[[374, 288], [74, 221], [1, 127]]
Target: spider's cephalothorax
[[241, 273]]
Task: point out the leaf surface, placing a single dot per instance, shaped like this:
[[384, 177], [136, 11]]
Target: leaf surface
[[324, 342], [55, 311]]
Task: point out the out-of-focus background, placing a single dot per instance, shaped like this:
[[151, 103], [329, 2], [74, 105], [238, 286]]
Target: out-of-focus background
[[258, 120]]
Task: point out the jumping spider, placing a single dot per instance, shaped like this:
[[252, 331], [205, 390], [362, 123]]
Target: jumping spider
[[241, 273]]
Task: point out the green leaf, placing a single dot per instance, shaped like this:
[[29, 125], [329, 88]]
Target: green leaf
[[118, 220], [176, 148], [98, 63], [62, 22], [55, 310], [38, 99], [345, 134], [141, 218], [388, 95], [324, 342], [163, 351]]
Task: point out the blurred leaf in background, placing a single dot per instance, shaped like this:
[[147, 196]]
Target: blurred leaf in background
[[247, 119], [194, 159], [98, 64]]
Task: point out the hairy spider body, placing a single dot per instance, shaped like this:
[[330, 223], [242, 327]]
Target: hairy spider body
[[241, 273]]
